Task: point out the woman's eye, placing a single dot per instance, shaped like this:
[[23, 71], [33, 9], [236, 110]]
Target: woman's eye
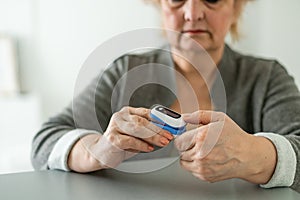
[[212, 1], [176, 3]]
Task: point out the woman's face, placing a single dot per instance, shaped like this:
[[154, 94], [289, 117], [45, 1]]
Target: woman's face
[[206, 21]]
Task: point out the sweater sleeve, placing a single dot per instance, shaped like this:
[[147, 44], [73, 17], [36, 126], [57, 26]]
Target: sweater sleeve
[[58, 158], [281, 115], [286, 161]]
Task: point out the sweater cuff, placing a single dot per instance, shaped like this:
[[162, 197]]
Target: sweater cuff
[[58, 158], [285, 170]]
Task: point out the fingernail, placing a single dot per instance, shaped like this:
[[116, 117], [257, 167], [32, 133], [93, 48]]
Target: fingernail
[[186, 114], [170, 136], [150, 148], [164, 141]]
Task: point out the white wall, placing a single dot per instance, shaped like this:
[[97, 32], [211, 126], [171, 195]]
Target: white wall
[[68, 31], [19, 116], [281, 33], [272, 29], [16, 20]]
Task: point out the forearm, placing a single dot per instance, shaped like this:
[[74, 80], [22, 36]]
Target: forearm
[[58, 158], [271, 161], [258, 160], [80, 159]]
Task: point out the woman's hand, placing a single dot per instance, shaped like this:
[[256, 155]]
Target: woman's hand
[[219, 149], [129, 132]]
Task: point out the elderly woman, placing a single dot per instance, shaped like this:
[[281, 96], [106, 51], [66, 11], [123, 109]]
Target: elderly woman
[[259, 137]]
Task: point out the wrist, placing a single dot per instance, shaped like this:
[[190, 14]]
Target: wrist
[[80, 159], [260, 158]]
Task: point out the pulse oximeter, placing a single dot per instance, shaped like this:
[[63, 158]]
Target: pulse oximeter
[[168, 120]]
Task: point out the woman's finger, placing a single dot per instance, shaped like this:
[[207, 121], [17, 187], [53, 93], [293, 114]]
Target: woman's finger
[[149, 125], [133, 130], [188, 165], [188, 155], [203, 117], [142, 112], [142, 116], [126, 142], [188, 139], [140, 127]]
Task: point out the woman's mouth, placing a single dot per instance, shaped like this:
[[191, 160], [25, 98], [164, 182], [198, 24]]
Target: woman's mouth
[[194, 31]]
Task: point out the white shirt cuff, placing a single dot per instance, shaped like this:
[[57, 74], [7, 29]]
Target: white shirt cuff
[[285, 170], [59, 155]]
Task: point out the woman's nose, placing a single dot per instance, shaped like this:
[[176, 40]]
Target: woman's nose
[[193, 10]]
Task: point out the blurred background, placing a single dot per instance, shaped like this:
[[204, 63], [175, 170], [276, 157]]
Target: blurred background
[[43, 44]]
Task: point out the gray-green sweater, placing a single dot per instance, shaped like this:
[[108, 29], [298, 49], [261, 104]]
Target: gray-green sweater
[[261, 98]]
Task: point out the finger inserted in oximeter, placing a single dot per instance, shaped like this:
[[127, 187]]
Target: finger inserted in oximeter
[[168, 119]]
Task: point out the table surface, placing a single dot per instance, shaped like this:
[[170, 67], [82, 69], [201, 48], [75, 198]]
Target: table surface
[[170, 182]]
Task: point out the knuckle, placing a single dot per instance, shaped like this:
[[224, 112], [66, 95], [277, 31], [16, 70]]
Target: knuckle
[[211, 179], [114, 140], [118, 143], [143, 111], [128, 141], [194, 156], [111, 138], [198, 157], [135, 118], [116, 126], [155, 139], [125, 109], [113, 128], [202, 113], [115, 115], [140, 121], [181, 164], [125, 143], [201, 132], [142, 146], [201, 169], [208, 179], [136, 126]]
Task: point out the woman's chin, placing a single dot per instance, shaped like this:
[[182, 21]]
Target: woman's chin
[[191, 44]]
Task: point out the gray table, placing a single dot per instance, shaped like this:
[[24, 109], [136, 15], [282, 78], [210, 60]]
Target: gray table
[[168, 183]]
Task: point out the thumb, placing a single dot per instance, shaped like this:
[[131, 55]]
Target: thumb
[[203, 117]]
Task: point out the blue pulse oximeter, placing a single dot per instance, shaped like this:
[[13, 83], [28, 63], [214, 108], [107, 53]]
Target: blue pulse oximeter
[[168, 120]]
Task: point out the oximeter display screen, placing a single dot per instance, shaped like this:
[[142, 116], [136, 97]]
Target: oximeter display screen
[[168, 112]]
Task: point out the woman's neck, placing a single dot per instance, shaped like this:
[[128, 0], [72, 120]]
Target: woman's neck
[[187, 62]]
